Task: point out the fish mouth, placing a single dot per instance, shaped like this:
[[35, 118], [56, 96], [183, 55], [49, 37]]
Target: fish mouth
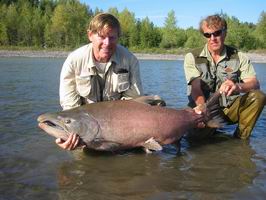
[[52, 127], [51, 124]]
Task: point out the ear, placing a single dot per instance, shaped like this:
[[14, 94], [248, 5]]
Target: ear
[[90, 35]]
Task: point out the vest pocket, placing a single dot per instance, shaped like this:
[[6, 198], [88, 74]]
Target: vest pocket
[[120, 82], [123, 83]]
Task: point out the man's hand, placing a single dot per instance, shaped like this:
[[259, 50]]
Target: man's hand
[[228, 87], [199, 110], [70, 144]]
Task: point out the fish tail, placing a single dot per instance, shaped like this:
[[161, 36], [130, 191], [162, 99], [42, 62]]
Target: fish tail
[[214, 115]]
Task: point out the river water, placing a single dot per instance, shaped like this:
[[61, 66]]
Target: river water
[[33, 167]]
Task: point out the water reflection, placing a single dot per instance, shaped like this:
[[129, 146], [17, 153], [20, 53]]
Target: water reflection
[[216, 170]]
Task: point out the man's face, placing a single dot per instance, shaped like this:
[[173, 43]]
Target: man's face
[[215, 38], [104, 43]]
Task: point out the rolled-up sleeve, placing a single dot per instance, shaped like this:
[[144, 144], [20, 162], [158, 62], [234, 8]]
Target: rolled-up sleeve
[[190, 69], [69, 98], [246, 68]]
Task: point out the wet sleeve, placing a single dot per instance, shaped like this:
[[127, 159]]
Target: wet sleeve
[[246, 68], [69, 97], [190, 69]]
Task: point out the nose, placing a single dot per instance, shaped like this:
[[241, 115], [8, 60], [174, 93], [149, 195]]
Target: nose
[[106, 40], [212, 37]]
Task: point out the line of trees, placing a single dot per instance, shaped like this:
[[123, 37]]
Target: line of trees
[[63, 23]]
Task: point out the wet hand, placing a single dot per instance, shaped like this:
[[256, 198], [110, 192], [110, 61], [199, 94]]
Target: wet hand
[[70, 144], [199, 110], [228, 87]]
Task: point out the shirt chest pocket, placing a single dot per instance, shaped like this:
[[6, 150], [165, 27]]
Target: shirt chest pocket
[[230, 71], [120, 82], [83, 84]]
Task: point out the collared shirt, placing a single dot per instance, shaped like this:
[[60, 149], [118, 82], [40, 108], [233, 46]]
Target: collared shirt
[[122, 78], [216, 73]]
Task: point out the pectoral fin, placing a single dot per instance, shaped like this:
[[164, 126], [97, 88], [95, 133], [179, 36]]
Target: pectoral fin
[[104, 145], [152, 145]]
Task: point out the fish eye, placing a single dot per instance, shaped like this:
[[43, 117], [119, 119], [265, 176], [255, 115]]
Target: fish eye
[[67, 121]]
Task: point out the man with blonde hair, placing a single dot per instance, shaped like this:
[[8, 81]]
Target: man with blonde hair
[[102, 70], [217, 66]]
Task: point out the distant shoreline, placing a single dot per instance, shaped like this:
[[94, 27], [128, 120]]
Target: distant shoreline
[[254, 57]]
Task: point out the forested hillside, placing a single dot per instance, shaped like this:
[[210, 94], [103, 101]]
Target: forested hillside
[[61, 24]]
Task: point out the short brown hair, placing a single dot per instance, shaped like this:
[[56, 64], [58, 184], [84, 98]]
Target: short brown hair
[[104, 20], [213, 21]]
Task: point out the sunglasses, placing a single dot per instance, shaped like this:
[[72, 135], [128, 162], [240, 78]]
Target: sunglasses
[[215, 34]]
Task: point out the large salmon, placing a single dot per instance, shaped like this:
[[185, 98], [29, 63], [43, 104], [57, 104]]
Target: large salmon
[[125, 124]]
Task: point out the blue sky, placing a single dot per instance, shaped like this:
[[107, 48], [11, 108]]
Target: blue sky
[[188, 12]]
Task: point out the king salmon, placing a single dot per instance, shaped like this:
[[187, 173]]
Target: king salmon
[[126, 124]]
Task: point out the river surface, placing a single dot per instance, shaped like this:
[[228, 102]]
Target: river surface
[[33, 167]]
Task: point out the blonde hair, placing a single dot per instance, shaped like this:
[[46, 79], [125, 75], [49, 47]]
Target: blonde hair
[[213, 21], [102, 21]]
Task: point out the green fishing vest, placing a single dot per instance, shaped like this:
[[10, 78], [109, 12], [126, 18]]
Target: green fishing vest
[[213, 76]]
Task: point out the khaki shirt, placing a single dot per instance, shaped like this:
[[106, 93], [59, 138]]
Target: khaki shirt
[[122, 77], [242, 68]]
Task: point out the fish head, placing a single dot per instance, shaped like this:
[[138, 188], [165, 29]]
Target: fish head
[[62, 124]]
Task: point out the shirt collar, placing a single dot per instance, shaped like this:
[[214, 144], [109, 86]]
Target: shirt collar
[[205, 53]]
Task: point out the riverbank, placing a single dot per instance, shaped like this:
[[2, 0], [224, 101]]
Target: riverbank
[[254, 57]]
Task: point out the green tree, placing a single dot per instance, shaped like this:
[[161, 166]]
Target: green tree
[[25, 23], [68, 25], [12, 24], [181, 37], [130, 35], [97, 10], [260, 31], [3, 29], [3, 34], [62, 23], [170, 32], [38, 27], [47, 7], [56, 32], [113, 11], [194, 39], [149, 35], [8, 2], [239, 34]]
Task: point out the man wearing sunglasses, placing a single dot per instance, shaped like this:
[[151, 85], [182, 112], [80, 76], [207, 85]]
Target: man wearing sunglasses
[[217, 66]]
